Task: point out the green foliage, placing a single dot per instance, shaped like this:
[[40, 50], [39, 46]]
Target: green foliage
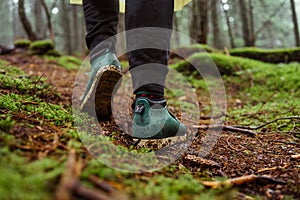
[[41, 47], [68, 62], [267, 92], [6, 124], [227, 65], [269, 56], [192, 49], [22, 180], [22, 43], [27, 104], [28, 94], [53, 52]]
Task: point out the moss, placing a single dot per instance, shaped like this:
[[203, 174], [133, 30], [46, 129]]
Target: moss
[[227, 65], [68, 62], [54, 53], [270, 56], [6, 124], [22, 180], [41, 47], [190, 50], [22, 43], [267, 92]]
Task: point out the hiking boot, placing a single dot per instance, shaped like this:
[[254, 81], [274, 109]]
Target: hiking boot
[[152, 120], [105, 74]]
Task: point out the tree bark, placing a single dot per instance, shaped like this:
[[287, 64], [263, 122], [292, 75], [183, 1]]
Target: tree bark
[[203, 22], [230, 33], [38, 19], [176, 28], [251, 25], [245, 23], [76, 39], [49, 24], [295, 21], [25, 22], [65, 20], [194, 21], [217, 41]]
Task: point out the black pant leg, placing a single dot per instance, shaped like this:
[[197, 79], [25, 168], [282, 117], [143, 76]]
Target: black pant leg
[[149, 13], [101, 18]]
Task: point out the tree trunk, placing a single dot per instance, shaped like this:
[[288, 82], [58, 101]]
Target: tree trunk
[[176, 28], [295, 21], [76, 39], [251, 26], [49, 24], [65, 22], [217, 41], [203, 22], [38, 18], [230, 33], [194, 21], [245, 23], [25, 22]]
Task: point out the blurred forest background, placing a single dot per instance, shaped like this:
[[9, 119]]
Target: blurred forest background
[[218, 23]]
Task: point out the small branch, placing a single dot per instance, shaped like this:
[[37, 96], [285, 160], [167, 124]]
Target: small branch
[[270, 122], [87, 193], [227, 128], [101, 184], [240, 181], [69, 179], [295, 157], [272, 168]]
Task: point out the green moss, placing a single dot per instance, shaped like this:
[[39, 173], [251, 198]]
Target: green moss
[[227, 65], [266, 93], [28, 104], [54, 53], [190, 50], [22, 180], [22, 43], [269, 55], [41, 47], [68, 62], [6, 124]]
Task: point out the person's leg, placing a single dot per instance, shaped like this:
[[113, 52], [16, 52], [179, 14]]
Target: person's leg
[[101, 17], [145, 13], [149, 67]]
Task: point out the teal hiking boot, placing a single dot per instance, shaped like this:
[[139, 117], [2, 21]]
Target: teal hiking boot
[[105, 74], [152, 120]]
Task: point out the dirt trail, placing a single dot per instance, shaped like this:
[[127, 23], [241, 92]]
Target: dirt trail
[[237, 154]]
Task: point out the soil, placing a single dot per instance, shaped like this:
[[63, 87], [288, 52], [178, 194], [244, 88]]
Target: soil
[[236, 154]]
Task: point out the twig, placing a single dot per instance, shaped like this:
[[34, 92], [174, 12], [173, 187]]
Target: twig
[[272, 168], [289, 143], [101, 184], [240, 181], [295, 157], [227, 128], [270, 122], [87, 193], [69, 179]]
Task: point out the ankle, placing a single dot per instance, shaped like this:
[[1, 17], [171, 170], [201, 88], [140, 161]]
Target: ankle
[[154, 96]]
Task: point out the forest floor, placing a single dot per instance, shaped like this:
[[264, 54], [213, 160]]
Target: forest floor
[[42, 156]]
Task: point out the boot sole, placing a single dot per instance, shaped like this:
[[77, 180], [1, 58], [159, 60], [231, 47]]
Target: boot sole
[[98, 98]]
